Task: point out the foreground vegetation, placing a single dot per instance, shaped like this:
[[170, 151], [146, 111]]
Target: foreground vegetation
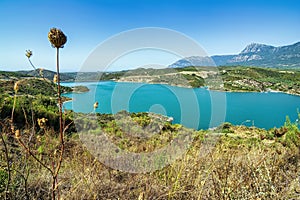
[[230, 162]]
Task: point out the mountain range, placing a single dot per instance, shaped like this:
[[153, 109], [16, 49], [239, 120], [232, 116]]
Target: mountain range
[[259, 55]]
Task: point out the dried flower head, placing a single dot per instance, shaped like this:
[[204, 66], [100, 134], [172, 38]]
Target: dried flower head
[[57, 38], [55, 78], [16, 86], [12, 128], [96, 104], [17, 134], [38, 137], [141, 196], [28, 53], [42, 122], [41, 72]]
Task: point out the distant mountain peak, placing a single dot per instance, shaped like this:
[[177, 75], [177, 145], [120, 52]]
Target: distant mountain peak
[[255, 48], [193, 61], [254, 54]]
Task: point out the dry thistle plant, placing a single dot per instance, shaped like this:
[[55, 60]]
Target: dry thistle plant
[[42, 122], [41, 72], [96, 104], [55, 79], [16, 89], [58, 39], [17, 134], [28, 55]]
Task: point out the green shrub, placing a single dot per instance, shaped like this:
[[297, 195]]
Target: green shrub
[[292, 136], [3, 180]]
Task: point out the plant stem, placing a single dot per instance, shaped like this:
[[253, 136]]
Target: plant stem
[[42, 76], [61, 131], [13, 109], [32, 64], [8, 167], [30, 153], [59, 99]]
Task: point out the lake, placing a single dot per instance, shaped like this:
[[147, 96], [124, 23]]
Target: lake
[[197, 108]]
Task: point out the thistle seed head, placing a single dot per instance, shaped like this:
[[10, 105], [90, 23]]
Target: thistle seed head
[[12, 128], [42, 122], [41, 72], [17, 134], [55, 78], [28, 53], [16, 86], [96, 105], [57, 38]]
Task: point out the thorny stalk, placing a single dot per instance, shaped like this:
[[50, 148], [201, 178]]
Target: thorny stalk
[[8, 165]]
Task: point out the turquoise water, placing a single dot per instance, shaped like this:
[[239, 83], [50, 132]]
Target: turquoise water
[[195, 108]]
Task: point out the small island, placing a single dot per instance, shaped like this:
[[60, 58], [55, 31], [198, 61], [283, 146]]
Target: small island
[[80, 89]]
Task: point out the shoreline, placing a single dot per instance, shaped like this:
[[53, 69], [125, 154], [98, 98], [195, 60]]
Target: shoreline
[[207, 88], [190, 87], [68, 101]]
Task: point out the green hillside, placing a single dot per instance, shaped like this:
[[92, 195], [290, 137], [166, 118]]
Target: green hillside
[[235, 78]]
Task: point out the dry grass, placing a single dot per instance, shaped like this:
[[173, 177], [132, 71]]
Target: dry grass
[[239, 166]]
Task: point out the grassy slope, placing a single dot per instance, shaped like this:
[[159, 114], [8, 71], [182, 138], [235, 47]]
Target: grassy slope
[[261, 79], [231, 162], [36, 98], [31, 86]]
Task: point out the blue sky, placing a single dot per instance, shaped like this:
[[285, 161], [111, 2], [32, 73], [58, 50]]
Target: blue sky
[[220, 27]]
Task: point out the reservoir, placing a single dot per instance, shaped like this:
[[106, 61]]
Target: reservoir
[[197, 108]]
